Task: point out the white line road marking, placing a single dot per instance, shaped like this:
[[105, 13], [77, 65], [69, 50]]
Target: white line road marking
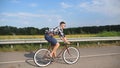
[[108, 54], [100, 55], [12, 62], [21, 61]]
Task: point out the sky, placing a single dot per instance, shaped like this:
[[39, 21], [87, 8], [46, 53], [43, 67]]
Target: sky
[[49, 13]]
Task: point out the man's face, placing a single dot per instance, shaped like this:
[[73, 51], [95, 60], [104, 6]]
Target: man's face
[[63, 26]]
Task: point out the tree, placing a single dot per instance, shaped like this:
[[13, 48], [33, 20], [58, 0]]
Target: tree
[[9, 30]]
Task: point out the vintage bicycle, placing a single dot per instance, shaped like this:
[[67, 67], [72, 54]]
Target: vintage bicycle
[[69, 54]]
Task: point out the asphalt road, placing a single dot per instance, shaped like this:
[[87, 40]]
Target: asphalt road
[[99, 57]]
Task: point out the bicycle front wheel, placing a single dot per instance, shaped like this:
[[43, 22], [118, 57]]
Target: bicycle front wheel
[[41, 57], [71, 55]]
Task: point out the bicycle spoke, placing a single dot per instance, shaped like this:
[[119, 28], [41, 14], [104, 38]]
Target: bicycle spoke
[[71, 55], [41, 58]]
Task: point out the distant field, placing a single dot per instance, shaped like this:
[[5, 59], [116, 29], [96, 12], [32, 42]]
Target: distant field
[[102, 34], [20, 36], [42, 36]]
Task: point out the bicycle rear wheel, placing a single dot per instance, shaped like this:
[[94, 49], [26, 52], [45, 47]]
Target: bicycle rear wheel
[[71, 55], [41, 57]]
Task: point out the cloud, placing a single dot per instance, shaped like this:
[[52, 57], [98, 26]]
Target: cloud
[[108, 7], [22, 14], [15, 1], [2, 20], [33, 5], [30, 17], [64, 5], [8, 14]]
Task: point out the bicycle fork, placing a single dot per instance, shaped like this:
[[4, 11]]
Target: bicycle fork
[[66, 47]]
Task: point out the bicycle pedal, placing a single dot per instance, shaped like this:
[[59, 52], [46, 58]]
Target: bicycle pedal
[[52, 59], [58, 57]]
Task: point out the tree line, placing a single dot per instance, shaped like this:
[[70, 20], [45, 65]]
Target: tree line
[[10, 30]]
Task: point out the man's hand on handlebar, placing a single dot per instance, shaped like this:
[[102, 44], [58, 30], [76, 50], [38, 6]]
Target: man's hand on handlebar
[[67, 42]]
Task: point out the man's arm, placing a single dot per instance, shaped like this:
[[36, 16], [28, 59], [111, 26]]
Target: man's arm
[[62, 36], [65, 40]]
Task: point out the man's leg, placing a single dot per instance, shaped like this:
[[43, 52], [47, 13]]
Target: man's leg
[[54, 50]]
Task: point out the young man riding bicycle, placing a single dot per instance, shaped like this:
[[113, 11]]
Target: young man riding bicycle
[[49, 36]]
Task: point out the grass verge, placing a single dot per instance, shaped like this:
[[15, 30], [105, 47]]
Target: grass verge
[[34, 47], [107, 34], [42, 36]]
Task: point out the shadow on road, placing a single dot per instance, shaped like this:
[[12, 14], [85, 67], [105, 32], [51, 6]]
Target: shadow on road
[[60, 60], [30, 61], [29, 55]]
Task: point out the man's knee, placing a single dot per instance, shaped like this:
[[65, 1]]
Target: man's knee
[[57, 44]]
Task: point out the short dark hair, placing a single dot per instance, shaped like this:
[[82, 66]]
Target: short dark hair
[[62, 22]]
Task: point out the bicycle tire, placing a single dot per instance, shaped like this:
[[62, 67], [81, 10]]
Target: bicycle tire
[[41, 57], [71, 55]]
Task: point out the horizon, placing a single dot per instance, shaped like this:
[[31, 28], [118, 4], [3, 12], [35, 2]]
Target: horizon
[[65, 28], [42, 13]]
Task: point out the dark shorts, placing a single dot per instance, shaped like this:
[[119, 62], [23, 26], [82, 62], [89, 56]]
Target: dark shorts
[[50, 39]]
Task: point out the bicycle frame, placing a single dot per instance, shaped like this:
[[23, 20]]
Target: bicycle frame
[[65, 47]]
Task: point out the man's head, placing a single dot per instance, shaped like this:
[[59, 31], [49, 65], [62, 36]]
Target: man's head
[[62, 25]]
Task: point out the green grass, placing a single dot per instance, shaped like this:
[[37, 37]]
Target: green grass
[[102, 34], [22, 47], [42, 36], [25, 47], [32, 47], [108, 34], [21, 36]]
